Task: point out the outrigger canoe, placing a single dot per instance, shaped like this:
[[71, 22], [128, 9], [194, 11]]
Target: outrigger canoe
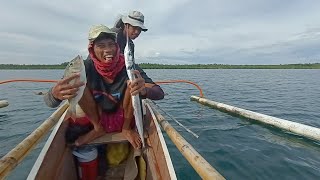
[[56, 160]]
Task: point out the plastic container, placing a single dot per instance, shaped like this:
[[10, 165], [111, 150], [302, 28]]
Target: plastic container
[[87, 162]]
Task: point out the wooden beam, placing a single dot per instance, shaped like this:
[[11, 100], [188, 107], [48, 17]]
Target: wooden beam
[[109, 138]]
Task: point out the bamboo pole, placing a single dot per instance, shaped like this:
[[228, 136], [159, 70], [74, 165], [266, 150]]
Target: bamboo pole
[[16, 155], [297, 128], [3, 103], [200, 165]]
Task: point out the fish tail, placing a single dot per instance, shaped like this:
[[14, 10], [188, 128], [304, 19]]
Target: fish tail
[[143, 143], [72, 112], [145, 148]]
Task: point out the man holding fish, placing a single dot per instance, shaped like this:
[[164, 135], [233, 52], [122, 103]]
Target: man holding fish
[[131, 24], [106, 100]]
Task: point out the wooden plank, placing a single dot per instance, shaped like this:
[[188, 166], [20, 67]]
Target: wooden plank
[[154, 139], [166, 156], [67, 167], [45, 149], [153, 171], [54, 155], [160, 152], [161, 162], [109, 138]]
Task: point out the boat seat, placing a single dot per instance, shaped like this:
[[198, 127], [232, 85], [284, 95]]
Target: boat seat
[[109, 138]]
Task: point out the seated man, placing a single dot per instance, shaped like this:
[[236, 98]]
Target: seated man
[[107, 97]]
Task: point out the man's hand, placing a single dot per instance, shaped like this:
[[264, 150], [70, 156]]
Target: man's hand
[[63, 90], [137, 85]]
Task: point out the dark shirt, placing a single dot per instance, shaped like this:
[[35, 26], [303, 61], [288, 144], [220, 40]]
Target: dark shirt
[[122, 42], [108, 95]]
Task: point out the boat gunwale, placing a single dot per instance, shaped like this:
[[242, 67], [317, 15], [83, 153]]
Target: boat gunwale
[[163, 144]]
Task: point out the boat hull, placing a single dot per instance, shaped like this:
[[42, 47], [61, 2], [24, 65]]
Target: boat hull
[[57, 162]]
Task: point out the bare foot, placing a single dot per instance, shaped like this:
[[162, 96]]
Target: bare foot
[[133, 137], [90, 136]]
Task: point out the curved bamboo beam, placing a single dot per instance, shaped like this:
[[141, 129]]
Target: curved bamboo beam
[[182, 81], [200, 165], [297, 128], [16, 155]]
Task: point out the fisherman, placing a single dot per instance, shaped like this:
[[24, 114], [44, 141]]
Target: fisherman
[[133, 24], [107, 98]]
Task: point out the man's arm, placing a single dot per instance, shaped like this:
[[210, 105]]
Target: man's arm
[[153, 91], [61, 91], [50, 100]]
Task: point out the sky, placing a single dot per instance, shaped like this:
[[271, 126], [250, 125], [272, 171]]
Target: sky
[[180, 31]]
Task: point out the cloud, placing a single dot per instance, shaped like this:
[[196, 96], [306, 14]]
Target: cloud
[[180, 31]]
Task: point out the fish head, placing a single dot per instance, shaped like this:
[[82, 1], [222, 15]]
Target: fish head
[[74, 66], [128, 56]]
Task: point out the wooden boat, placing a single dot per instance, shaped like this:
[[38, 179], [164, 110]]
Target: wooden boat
[[56, 160]]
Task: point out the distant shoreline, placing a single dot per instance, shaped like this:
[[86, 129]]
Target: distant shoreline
[[187, 66]]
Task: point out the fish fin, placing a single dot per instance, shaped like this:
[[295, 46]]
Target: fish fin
[[72, 113]]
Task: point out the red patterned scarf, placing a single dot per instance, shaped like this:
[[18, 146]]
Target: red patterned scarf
[[110, 69]]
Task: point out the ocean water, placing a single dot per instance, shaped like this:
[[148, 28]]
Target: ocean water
[[237, 147]]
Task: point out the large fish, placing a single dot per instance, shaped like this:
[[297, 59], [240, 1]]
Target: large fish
[[136, 102], [76, 65]]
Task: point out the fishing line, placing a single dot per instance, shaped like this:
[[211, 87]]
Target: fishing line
[[173, 118]]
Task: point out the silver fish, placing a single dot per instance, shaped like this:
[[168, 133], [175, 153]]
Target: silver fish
[[76, 65], [136, 102]]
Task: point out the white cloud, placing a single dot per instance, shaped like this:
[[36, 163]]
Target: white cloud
[[180, 31]]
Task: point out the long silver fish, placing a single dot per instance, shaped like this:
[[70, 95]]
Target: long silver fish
[[76, 65], [136, 103]]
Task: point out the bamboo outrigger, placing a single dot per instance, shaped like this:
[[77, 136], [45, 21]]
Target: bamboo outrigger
[[297, 128]]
